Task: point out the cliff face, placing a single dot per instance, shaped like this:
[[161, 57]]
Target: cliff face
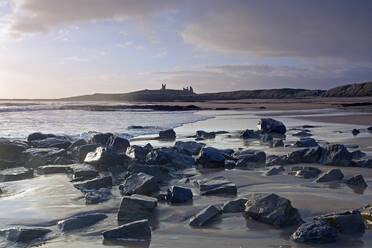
[[350, 90]]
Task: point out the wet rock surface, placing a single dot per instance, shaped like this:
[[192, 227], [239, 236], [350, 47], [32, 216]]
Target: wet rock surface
[[217, 185], [331, 175], [136, 207], [81, 221], [349, 222], [318, 232], [24, 235], [205, 216], [140, 183]]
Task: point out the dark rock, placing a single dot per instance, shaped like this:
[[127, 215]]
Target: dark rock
[[319, 232], [217, 185], [267, 138], [137, 153], [100, 139], [349, 222], [169, 134], [205, 216], [52, 142], [77, 143], [81, 221], [307, 155], [355, 132], [277, 143], [35, 157], [98, 196], [234, 206], [331, 175], [250, 159], [210, 157], [24, 235], [306, 142], [140, 183], [230, 164], [272, 209], [117, 144], [160, 172], [358, 154], [102, 159], [336, 155], [268, 125], [97, 183], [136, 207], [302, 134], [180, 194], [53, 169], [81, 152], [16, 174], [305, 172], [357, 181], [276, 160], [171, 157], [39, 136], [11, 150], [85, 172], [366, 213], [189, 147], [134, 231], [250, 134], [205, 135], [274, 170], [364, 163]]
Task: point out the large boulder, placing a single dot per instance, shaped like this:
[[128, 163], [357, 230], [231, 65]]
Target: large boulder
[[268, 125], [100, 139], [348, 222], [93, 184], [205, 216], [137, 153], [250, 158], [272, 209], [103, 159], [210, 157], [24, 235], [81, 221], [170, 157], [16, 174], [189, 147], [318, 232], [11, 150], [169, 134], [139, 183], [215, 186], [136, 207], [135, 231], [39, 136], [80, 152], [336, 155], [178, 194], [35, 157], [52, 142], [117, 144], [331, 175]]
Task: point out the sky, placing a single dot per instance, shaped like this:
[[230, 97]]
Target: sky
[[54, 48]]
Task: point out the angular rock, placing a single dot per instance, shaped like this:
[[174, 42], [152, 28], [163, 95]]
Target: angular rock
[[53, 169], [135, 231], [210, 157], [318, 232], [205, 135], [277, 143], [35, 157], [137, 153], [102, 159], [214, 186], [302, 134], [24, 235], [305, 172], [272, 209], [16, 174], [249, 159], [306, 142], [268, 125], [178, 194], [189, 147], [230, 164], [170, 157], [97, 196], [366, 213], [234, 206], [11, 150], [355, 132], [357, 181], [349, 222], [52, 142], [276, 160], [161, 173], [117, 144], [336, 155], [39, 136], [169, 134], [97, 183], [81, 221], [136, 207], [85, 173], [100, 139], [267, 138], [274, 170], [77, 143], [250, 134], [358, 154], [81, 152], [205, 216], [139, 183], [331, 175]]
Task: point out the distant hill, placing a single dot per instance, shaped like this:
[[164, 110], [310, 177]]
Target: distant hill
[[350, 90], [167, 95]]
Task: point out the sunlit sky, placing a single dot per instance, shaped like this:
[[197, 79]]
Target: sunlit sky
[[58, 48]]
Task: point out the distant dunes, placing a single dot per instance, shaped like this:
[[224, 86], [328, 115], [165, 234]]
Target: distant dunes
[[350, 90]]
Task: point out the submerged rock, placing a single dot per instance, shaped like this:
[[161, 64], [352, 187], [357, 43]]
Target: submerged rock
[[234, 206], [16, 174], [268, 125], [169, 134], [136, 207], [274, 170], [250, 134], [205, 216], [81, 221], [135, 231], [277, 143], [205, 135], [355, 132], [349, 222], [302, 133], [210, 157], [139, 183], [217, 185], [318, 232], [272, 209], [24, 235], [357, 181], [331, 175]]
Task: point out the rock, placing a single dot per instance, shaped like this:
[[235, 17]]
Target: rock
[[189, 147], [100, 139], [16, 174], [136, 207], [336, 155], [267, 138], [306, 142], [305, 172], [81, 152], [217, 185], [139, 183], [170, 157], [52, 142], [137, 153], [134, 231], [178, 194], [35, 157], [277, 143], [77, 143], [38, 136], [364, 163], [229, 164], [250, 159], [98, 196], [250, 134], [268, 125], [366, 213], [355, 132], [331, 175], [160, 172], [102, 159], [319, 232], [117, 144], [357, 181], [349, 222], [24, 235], [85, 172], [274, 170], [205, 216], [205, 135], [358, 154], [53, 169], [11, 150], [302, 134], [97, 183], [169, 134], [272, 209], [81, 221], [210, 157], [234, 206], [276, 160], [307, 155]]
